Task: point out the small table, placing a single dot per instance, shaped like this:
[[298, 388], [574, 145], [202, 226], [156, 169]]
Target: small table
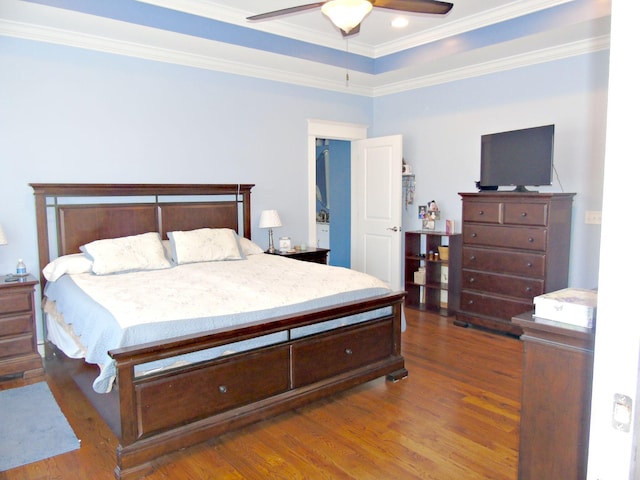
[[556, 398], [311, 254], [18, 347]]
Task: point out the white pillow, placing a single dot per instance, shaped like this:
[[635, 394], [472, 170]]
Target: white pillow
[[248, 247], [205, 245], [66, 264], [127, 254]]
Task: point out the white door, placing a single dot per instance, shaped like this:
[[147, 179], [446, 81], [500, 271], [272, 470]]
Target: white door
[[376, 208]]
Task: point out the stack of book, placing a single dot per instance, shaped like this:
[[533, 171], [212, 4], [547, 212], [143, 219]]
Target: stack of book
[[574, 306]]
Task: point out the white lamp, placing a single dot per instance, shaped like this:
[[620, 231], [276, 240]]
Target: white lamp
[[346, 14], [3, 237], [270, 219]]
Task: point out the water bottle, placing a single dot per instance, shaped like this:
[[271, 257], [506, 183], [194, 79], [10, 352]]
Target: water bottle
[[21, 268]]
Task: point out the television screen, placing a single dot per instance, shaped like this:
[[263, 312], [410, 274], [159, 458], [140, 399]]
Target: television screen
[[519, 157]]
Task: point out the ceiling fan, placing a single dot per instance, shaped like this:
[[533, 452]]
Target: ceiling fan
[[348, 14]]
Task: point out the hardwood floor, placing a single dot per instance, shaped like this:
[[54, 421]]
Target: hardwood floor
[[455, 417]]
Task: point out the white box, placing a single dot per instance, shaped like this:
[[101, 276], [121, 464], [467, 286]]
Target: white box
[[574, 306]]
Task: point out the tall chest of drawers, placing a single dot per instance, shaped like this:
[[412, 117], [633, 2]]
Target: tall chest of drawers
[[515, 246]]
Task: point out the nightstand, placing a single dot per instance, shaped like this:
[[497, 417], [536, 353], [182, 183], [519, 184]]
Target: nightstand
[[311, 254], [18, 345]]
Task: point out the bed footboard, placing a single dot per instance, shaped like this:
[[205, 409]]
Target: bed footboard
[[167, 411]]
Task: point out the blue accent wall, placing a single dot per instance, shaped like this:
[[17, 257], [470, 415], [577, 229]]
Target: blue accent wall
[[339, 200], [340, 191]]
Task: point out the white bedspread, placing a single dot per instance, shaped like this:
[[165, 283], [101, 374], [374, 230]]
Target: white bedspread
[[138, 307]]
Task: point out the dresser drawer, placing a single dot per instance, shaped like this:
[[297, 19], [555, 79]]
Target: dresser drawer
[[526, 213], [191, 395], [507, 237], [13, 324], [503, 308], [323, 357], [485, 212], [499, 261], [502, 284], [16, 345], [19, 301]]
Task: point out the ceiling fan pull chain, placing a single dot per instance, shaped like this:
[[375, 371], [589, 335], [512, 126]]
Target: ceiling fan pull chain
[[347, 74]]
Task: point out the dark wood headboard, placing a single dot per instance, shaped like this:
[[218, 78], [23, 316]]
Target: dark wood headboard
[[71, 215]]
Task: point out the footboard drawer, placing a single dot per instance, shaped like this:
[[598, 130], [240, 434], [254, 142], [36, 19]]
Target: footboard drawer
[[324, 356], [200, 392]]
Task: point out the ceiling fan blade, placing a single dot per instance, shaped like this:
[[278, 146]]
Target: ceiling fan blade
[[353, 31], [285, 11], [417, 6]]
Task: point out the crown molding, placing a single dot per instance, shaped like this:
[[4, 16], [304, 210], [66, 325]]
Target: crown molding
[[45, 24], [211, 9], [467, 24], [500, 65]]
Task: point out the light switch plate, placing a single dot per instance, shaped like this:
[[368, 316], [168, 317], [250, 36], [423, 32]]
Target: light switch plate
[[622, 412]]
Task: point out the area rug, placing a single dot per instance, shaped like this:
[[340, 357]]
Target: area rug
[[32, 426]]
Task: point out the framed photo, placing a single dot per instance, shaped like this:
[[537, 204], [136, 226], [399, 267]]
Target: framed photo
[[428, 223]]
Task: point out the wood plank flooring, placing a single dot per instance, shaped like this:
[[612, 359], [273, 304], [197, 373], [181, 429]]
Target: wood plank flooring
[[455, 417]]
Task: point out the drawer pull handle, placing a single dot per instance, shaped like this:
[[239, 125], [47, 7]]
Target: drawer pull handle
[[470, 302], [222, 389], [523, 214], [481, 212], [529, 264], [474, 235], [472, 257], [471, 280], [530, 240], [348, 351], [528, 289]]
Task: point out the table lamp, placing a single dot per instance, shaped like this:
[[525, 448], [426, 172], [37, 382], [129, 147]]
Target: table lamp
[[270, 219]]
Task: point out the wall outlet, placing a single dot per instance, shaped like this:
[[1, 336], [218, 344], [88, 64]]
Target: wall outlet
[[593, 217]]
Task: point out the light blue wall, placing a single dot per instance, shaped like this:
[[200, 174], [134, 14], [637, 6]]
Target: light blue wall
[[70, 115], [442, 125]]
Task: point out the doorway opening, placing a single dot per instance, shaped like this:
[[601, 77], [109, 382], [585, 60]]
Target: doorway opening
[[331, 131], [333, 199]]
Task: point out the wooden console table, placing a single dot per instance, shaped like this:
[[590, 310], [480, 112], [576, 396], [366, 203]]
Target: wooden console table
[[556, 399]]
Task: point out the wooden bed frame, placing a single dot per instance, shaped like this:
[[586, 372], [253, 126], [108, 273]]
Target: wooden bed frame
[[164, 412]]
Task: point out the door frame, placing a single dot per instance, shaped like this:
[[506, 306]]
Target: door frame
[[332, 131]]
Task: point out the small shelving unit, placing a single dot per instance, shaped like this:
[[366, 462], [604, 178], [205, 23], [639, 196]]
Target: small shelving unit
[[440, 291]]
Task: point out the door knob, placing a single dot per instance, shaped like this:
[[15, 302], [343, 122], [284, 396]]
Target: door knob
[[394, 229]]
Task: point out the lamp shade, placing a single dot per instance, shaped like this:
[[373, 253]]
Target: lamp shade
[[270, 219], [3, 237], [346, 14]]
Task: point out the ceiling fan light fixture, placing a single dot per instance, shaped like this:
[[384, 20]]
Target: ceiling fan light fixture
[[346, 14], [399, 22]]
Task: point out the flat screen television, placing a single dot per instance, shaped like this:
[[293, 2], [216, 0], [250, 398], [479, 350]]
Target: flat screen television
[[517, 158]]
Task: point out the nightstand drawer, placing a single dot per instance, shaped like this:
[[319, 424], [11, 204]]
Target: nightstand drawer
[[14, 324], [16, 345], [12, 302]]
